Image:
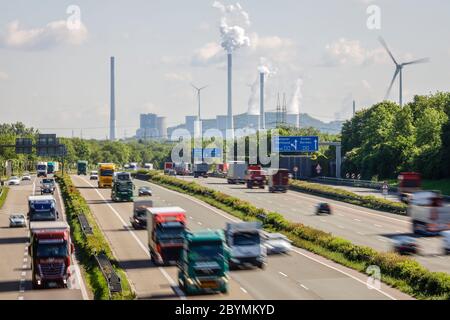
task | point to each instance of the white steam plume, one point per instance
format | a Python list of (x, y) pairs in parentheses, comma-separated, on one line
[(266, 68), (294, 106)]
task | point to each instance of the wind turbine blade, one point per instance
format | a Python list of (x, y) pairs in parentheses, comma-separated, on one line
[(204, 87), (383, 43), (392, 83), (194, 87), (423, 60)]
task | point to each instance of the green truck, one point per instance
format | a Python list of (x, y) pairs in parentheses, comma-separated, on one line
[(203, 266), (82, 166), (122, 188)]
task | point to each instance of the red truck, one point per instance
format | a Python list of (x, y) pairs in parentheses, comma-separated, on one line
[(408, 183), (50, 250), (278, 180), (165, 229), (255, 176), (168, 166)]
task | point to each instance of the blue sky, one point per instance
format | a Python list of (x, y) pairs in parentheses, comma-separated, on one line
[(58, 80)]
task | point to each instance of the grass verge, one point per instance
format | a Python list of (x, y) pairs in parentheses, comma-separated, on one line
[(3, 194), (88, 246)]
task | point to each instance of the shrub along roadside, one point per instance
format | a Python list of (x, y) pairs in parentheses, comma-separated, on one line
[(3, 194), (400, 272), (349, 197), (88, 246)]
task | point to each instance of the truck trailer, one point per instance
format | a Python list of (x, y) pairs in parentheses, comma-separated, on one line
[(41, 169), (201, 170), (429, 214), (278, 180), (236, 172), (82, 166)]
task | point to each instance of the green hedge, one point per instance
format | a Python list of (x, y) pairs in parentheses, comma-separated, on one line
[(371, 202), (399, 271), (88, 246), (3, 194)]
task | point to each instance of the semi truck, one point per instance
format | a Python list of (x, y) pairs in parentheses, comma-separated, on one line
[(278, 180), (122, 188), (182, 168), (41, 169), (254, 176), (52, 167), (201, 170), (168, 166), (42, 208), (408, 183), (165, 229), (139, 218), (429, 214), (50, 250), (106, 174), (203, 266), (245, 242), (236, 172), (82, 166)]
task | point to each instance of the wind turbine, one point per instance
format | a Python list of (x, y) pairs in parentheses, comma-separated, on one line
[(399, 71), (198, 96)]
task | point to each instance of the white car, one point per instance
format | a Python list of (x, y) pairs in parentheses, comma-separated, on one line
[(17, 220), (94, 175), (26, 177), (446, 241), (14, 180), (276, 243)]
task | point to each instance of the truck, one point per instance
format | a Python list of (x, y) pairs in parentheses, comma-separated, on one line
[(255, 176), (182, 168), (139, 218), (165, 230), (246, 244), (122, 188), (41, 169), (82, 166), (203, 266), (50, 250), (148, 166), (168, 166), (236, 172), (42, 208), (201, 170), (48, 185), (428, 212), (408, 183), (278, 180), (106, 174), (52, 167), (133, 166)]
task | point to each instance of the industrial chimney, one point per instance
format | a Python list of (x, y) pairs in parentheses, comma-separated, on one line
[(112, 123), (262, 118), (230, 105)]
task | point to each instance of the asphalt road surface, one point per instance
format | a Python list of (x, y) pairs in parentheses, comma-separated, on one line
[(15, 263), (299, 275)]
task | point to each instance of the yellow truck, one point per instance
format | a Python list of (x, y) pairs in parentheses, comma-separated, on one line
[(106, 174)]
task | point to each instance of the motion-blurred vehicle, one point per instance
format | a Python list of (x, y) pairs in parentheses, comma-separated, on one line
[(255, 176), (203, 266), (323, 207), (278, 180), (133, 166), (408, 183), (172, 172), (236, 172), (48, 185), (145, 191), (276, 243), (82, 166), (182, 168), (148, 166), (14, 181), (94, 175), (168, 166), (405, 245), (446, 241), (139, 218), (17, 220), (26, 176), (428, 212)]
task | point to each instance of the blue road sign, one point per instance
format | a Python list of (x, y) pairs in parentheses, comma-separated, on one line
[(295, 144), (207, 153)]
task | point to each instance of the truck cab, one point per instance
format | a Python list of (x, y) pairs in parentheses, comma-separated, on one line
[(254, 176), (139, 218), (429, 214), (122, 188), (246, 244), (105, 175), (408, 183), (42, 208), (278, 180), (50, 250), (165, 229), (201, 170), (48, 185), (82, 166), (41, 169), (203, 266)]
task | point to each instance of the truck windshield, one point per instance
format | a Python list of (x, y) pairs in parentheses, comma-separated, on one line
[(169, 232), (42, 215), (42, 167), (246, 239), (50, 250), (48, 181), (123, 177), (124, 186), (106, 173), (204, 250)]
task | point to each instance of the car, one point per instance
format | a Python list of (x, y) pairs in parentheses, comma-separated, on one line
[(17, 220), (276, 243), (172, 172), (446, 241), (405, 245), (144, 191), (26, 177), (94, 175), (14, 181), (323, 207), (48, 185)]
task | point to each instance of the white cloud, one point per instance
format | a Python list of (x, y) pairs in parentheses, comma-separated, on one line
[(3, 76), (53, 34), (178, 76), (210, 53), (350, 52)]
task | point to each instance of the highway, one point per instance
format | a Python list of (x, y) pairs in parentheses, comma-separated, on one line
[(15, 263), (300, 275), (360, 225)]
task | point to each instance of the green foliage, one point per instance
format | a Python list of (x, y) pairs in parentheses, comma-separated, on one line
[(3, 195)]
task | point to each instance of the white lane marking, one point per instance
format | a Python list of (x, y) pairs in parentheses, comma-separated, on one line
[(190, 217), (23, 274), (359, 232), (399, 231), (24, 266), (382, 239), (377, 225), (243, 290), (20, 298), (141, 245), (357, 220), (25, 253), (340, 214), (303, 286), (283, 274), (199, 223), (342, 227), (323, 220)]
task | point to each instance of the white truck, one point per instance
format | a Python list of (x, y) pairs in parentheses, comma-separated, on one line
[(41, 169), (429, 214), (236, 172), (148, 166)]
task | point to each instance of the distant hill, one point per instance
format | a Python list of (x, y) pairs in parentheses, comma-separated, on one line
[(325, 127)]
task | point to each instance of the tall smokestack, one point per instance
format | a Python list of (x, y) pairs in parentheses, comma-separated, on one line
[(112, 119), (354, 107), (262, 117), (230, 104)]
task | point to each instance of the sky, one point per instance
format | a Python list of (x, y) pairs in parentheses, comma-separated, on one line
[(54, 67)]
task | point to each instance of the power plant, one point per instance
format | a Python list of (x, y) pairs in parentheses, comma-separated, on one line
[(112, 119), (262, 121), (230, 103)]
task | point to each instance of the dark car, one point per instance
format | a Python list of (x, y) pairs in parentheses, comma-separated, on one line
[(323, 208), (144, 191), (405, 245)]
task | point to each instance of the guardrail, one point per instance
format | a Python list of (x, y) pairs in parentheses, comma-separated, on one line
[(85, 227), (352, 183)]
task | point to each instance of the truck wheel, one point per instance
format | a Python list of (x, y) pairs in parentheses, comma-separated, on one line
[(249, 185), (262, 265)]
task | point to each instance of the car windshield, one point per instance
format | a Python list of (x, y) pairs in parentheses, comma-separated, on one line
[(47, 250), (107, 173), (17, 216), (246, 239), (204, 250), (143, 189)]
